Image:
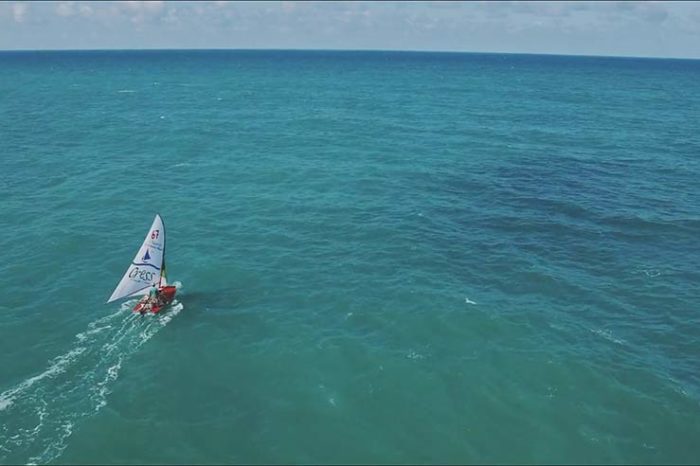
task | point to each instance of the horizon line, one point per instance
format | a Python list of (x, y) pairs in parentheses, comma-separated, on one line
[(464, 52)]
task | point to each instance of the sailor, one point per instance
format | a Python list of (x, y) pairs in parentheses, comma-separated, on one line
[(153, 294)]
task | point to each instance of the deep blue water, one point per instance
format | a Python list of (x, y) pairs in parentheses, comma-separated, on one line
[(383, 257)]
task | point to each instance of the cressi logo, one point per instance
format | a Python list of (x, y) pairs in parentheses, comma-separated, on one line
[(142, 275)]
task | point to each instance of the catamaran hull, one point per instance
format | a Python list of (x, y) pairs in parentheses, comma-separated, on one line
[(167, 294)]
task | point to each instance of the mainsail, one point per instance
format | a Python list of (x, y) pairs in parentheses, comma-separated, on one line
[(148, 265)]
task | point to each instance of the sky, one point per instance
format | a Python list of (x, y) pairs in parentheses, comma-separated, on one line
[(620, 28)]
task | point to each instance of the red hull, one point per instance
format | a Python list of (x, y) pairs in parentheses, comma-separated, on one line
[(167, 294)]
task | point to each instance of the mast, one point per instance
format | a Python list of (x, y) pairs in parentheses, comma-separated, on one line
[(165, 239)]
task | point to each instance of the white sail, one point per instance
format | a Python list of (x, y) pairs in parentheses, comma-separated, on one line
[(147, 267)]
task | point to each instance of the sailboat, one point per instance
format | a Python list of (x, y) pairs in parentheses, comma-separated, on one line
[(146, 270)]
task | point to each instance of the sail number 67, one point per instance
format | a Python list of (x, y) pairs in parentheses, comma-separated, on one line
[(154, 234)]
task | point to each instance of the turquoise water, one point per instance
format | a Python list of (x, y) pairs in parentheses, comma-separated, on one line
[(382, 258)]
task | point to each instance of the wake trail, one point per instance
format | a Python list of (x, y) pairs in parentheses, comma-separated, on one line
[(38, 414)]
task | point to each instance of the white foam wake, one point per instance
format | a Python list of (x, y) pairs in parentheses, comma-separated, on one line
[(38, 415)]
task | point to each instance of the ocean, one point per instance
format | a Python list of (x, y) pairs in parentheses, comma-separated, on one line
[(382, 257)]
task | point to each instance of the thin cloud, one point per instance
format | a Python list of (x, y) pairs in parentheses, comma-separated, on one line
[(598, 28), (19, 12)]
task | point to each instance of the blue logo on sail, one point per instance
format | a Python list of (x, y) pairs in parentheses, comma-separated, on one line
[(144, 261)]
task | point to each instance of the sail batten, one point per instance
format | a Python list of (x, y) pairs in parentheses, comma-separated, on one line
[(147, 266)]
